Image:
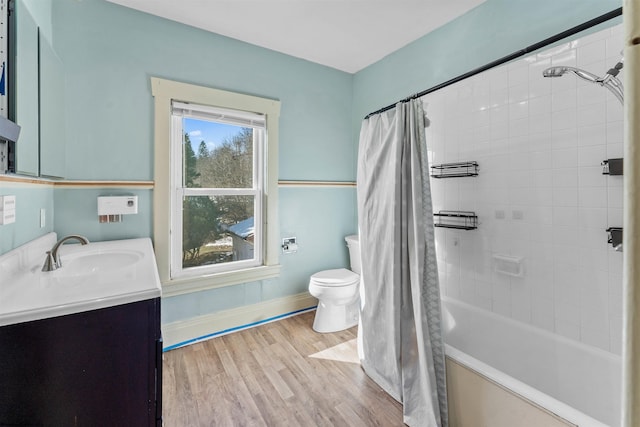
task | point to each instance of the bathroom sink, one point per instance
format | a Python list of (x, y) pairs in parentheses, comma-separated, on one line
[(98, 262), (92, 276)]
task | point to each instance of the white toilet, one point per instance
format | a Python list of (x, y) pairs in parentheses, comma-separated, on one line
[(338, 293)]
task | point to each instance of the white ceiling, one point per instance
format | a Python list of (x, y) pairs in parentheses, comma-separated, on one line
[(344, 34)]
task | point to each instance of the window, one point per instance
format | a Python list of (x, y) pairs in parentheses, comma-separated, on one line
[(217, 186), (215, 197)]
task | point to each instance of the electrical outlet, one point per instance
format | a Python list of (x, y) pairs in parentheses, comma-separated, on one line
[(43, 217)]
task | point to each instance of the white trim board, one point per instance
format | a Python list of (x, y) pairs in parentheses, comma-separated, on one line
[(200, 328)]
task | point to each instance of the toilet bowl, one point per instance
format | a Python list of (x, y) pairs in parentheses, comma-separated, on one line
[(338, 293)]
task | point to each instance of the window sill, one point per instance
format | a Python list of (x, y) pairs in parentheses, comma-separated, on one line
[(187, 285)]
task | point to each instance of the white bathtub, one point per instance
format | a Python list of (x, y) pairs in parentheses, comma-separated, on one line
[(579, 383)]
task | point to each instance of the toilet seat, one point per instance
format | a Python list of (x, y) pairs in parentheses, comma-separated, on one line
[(335, 278)]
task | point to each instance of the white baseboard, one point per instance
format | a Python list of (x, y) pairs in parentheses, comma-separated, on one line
[(184, 332)]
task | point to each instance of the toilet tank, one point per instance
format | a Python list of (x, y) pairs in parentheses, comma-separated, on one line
[(354, 252)]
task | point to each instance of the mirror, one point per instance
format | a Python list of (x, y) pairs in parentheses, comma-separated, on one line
[(52, 117), (38, 93), (26, 91)]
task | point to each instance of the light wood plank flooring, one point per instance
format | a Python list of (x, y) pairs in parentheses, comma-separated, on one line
[(277, 374)]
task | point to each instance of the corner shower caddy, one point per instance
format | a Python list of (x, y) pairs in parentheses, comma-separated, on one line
[(461, 220), (454, 170)]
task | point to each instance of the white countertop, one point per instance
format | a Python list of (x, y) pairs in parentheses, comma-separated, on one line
[(93, 276)]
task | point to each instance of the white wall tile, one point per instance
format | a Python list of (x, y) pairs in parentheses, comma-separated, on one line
[(564, 119), (540, 159), (541, 196), (519, 93), (540, 104), (565, 259), (592, 217), (564, 138), (615, 293), (592, 114), (519, 110), (519, 127), (566, 235), (593, 262), (615, 151), (592, 52), (614, 109), (563, 100), (542, 214), (615, 198), (499, 96), (592, 155), (519, 75), (614, 45), (591, 176), (564, 158), (590, 38), (615, 260), (592, 135), (565, 196), (593, 237), (566, 57), (563, 215), (615, 132), (539, 86), (567, 311), (615, 331), (590, 94), (592, 197), (540, 142)]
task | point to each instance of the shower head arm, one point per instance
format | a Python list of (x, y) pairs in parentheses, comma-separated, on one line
[(615, 87)]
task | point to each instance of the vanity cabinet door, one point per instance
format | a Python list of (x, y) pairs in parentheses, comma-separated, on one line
[(96, 368)]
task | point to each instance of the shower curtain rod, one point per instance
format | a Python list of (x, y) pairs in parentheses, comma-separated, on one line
[(564, 34)]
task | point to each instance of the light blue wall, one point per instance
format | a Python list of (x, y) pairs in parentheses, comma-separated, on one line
[(29, 200), (319, 218), (489, 32), (82, 205), (109, 53)]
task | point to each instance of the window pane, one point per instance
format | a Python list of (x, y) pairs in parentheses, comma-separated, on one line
[(217, 229), (217, 155)]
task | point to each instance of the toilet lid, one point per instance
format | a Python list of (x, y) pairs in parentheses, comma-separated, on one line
[(337, 277)]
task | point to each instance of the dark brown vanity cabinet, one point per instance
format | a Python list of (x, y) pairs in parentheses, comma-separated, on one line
[(96, 368)]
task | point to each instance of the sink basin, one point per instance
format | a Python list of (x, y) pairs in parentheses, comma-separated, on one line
[(105, 262), (92, 276)]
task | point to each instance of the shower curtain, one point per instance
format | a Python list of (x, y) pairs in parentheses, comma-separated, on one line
[(400, 339)]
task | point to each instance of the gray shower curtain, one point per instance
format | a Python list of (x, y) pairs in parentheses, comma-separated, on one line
[(400, 338)]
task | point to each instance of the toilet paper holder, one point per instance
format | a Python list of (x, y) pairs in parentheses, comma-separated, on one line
[(289, 245)]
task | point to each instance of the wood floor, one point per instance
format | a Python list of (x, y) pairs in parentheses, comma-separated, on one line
[(277, 374)]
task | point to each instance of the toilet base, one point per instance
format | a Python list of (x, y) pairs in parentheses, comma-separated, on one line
[(334, 318)]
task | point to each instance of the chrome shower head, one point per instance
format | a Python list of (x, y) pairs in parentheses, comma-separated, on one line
[(555, 72), (560, 71), (609, 81)]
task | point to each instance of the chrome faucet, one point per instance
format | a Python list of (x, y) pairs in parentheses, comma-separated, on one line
[(52, 262)]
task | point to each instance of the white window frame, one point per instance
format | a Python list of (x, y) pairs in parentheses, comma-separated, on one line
[(181, 110), (165, 221)]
